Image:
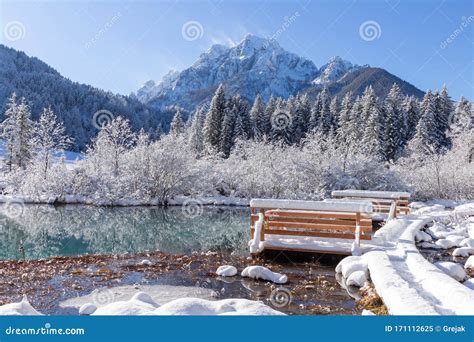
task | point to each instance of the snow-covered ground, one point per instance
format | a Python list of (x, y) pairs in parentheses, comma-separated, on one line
[(407, 282)]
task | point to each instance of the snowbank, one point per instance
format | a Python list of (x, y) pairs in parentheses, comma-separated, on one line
[(452, 269), (22, 308), (410, 285), (201, 307), (263, 273), (469, 262)]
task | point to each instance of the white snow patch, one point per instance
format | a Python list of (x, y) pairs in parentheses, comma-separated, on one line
[(445, 244), (263, 273), (469, 262), (226, 271), (22, 308), (467, 242), (332, 205), (463, 252), (139, 304), (195, 307), (452, 269), (357, 278)]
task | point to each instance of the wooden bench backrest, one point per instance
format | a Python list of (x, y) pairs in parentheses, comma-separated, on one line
[(381, 200), (315, 223)]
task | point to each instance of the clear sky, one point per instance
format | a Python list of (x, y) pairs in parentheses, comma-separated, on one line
[(118, 45)]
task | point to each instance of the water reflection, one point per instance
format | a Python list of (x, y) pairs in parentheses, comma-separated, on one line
[(44, 231)]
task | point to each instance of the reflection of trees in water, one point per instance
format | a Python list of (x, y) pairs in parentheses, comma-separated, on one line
[(67, 230)]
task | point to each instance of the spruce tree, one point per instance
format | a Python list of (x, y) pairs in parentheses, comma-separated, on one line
[(257, 114), (426, 139), (214, 118), (177, 125), (394, 125), (196, 135), (443, 114)]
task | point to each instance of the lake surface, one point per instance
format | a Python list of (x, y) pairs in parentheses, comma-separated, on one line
[(41, 231)]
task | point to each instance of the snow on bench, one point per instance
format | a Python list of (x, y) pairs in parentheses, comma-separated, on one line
[(310, 226), (390, 202)]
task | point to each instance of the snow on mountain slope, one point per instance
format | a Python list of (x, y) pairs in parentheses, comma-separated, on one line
[(255, 65), (334, 70)]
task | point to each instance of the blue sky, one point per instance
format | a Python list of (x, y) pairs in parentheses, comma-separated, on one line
[(118, 45)]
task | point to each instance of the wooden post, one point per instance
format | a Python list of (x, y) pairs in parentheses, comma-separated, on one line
[(357, 232), (262, 232)]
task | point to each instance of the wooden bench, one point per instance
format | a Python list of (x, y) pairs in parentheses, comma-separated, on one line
[(326, 222), (387, 202)]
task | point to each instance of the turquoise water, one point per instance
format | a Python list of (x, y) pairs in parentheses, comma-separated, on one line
[(40, 231)]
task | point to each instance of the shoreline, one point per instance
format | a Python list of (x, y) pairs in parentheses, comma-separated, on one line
[(48, 282)]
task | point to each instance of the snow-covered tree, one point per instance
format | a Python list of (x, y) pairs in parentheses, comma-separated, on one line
[(17, 131), (49, 137), (371, 126), (394, 125), (214, 118), (257, 114), (443, 114), (196, 135), (177, 125), (426, 138), (411, 108)]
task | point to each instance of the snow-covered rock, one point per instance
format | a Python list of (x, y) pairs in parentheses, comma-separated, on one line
[(421, 236), (463, 252), (226, 271), (445, 244), (145, 262), (469, 262), (195, 306), (456, 239), (429, 245), (87, 309), (357, 278), (22, 308), (465, 209), (467, 242), (263, 273), (139, 304), (452, 269), (346, 260), (358, 265), (429, 209)]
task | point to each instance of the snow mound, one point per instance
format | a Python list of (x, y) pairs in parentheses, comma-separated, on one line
[(463, 252), (429, 245), (445, 244), (357, 278), (346, 260), (140, 303), (201, 307), (467, 208), (22, 308), (367, 313), (470, 262), (226, 271), (467, 242), (455, 239), (452, 269), (354, 266), (263, 273), (87, 309), (145, 262), (429, 209), (421, 236)]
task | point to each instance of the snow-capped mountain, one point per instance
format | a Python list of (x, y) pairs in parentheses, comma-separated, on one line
[(335, 69), (255, 65)]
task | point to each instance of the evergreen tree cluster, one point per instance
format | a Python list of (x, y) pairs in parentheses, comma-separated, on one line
[(383, 128)]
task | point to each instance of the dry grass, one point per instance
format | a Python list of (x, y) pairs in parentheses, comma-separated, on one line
[(371, 301)]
